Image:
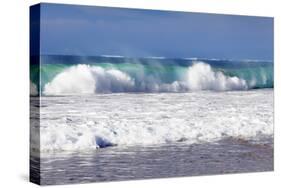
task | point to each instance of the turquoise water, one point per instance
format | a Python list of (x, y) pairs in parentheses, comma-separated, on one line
[(120, 74)]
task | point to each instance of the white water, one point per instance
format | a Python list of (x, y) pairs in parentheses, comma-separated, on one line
[(200, 76), (77, 123), (86, 79)]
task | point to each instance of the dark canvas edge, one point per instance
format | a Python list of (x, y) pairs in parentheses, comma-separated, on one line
[(34, 64)]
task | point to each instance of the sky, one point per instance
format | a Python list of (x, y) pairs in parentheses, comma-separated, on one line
[(95, 31)]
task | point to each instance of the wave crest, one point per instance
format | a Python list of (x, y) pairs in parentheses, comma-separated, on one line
[(200, 76), (86, 79)]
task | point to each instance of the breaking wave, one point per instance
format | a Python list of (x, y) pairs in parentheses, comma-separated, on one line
[(85, 79), (200, 76), (98, 78)]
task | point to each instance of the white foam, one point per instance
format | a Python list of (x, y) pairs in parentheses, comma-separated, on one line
[(76, 123), (156, 57), (86, 79), (113, 56), (200, 76)]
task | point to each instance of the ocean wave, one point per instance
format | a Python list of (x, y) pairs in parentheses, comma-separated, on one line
[(90, 79), (200, 76), (85, 79)]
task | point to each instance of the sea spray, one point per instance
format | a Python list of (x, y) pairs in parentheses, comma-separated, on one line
[(62, 75)]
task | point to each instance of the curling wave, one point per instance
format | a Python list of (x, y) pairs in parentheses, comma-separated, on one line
[(90, 79)]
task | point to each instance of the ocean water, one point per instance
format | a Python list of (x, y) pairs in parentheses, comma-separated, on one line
[(61, 75), (133, 136), (104, 119), (162, 161)]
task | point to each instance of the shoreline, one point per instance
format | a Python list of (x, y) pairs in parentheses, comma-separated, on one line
[(117, 164)]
